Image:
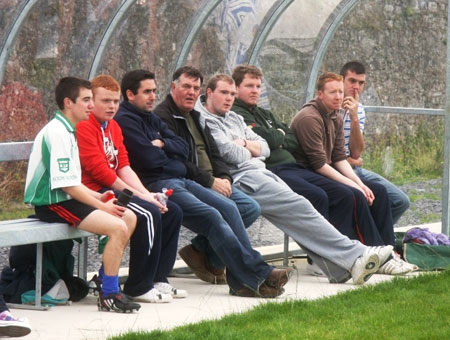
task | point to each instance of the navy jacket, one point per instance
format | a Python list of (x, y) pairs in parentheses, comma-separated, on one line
[(169, 113), (150, 162)]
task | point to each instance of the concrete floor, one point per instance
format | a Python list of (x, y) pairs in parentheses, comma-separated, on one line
[(82, 320)]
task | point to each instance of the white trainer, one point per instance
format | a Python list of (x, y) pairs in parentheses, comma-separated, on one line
[(153, 296), (314, 269), (10, 326), (396, 266), (368, 264), (167, 288)]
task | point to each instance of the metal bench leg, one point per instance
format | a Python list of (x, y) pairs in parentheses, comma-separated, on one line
[(38, 275), (82, 258), (286, 250), (38, 287)]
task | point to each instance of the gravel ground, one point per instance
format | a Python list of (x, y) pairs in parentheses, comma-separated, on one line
[(425, 206)]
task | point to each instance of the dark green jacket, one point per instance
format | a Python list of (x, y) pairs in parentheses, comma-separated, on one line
[(265, 124)]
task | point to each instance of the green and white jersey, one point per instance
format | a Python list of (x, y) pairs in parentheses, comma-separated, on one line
[(54, 163)]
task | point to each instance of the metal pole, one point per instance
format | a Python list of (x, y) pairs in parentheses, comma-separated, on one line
[(445, 177), (11, 36), (194, 29), (321, 50), (265, 27), (104, 42)]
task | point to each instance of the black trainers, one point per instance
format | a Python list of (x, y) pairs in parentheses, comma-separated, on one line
[(95, 285), (117, 302)]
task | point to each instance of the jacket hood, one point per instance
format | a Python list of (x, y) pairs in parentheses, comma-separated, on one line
[(200, 107), (133, 109), (318, 105)]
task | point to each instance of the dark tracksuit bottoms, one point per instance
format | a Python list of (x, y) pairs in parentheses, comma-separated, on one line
[(344, 207), (153, 245)]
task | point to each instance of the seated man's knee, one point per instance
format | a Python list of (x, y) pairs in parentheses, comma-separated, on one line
[(250, 212), (212, 218), (321, 199), (406, 203), (175, 210), (120, 231), (130, 219), (377, 188)]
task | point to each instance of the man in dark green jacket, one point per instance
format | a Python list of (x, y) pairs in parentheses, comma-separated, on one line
[(334, 203)]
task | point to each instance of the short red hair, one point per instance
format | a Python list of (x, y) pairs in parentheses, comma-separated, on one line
[(327, 77), (105, 81)]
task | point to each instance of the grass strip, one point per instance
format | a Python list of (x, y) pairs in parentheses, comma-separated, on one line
[(404, 308)]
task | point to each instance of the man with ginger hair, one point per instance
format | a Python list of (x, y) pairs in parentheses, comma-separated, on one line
[(319, 131), (105, 165)]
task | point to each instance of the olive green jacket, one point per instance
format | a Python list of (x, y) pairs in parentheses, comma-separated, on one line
[(268, 126)]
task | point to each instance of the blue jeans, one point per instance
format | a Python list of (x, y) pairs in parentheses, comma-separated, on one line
[(216, 217), (399, 200), (249, 210)]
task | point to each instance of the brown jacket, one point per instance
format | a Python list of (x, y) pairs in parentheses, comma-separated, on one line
[(320, 135)]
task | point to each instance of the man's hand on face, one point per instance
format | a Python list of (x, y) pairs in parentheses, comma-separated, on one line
[(158, 143), (222, 186), (351, 104)]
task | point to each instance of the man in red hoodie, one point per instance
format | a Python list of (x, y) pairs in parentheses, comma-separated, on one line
[(105, 165)]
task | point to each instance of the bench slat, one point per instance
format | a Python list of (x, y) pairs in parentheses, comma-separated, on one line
[(15, 151), (28, 231)]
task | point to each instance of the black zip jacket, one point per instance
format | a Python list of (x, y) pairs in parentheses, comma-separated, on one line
[(150, 162)]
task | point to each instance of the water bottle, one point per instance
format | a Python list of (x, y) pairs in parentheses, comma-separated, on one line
[(164, 195)]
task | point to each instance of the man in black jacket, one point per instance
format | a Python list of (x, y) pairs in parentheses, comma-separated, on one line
[(204, 164), (158, 156)]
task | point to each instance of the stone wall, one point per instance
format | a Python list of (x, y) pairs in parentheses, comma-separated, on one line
[(403, 45), (402, 42)]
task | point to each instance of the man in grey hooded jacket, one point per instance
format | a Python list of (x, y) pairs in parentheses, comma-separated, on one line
[(244, 151)]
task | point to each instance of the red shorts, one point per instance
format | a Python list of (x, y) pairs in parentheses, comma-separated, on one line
[(71, 211)]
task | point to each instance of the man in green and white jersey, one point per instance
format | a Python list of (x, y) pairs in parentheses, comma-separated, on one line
[(54, 187)]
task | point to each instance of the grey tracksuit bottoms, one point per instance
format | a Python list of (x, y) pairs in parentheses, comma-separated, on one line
[(333, 252)]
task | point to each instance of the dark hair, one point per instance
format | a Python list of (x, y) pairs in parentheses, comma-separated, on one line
[(327, 77), (188, 71), (354, 66), (240, 71), (132, 81), (69, 87), (212, 82)]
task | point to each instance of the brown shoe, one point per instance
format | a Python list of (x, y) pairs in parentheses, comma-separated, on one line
[(264, 291), (198, 263), (278, 277), (219, 274)]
